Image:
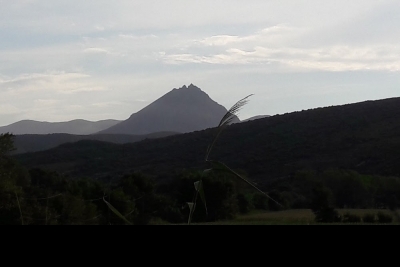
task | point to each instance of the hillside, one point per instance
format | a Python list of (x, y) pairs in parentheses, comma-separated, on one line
[(78, 127), (183, 110), (364, 137), (35, 142), (256, 118)]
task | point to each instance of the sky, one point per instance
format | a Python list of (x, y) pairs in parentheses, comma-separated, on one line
[(95, 59)]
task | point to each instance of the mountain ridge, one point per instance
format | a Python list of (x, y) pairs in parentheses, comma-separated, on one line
[(76, 126), (183, 110), (29, 143), (255, 118)]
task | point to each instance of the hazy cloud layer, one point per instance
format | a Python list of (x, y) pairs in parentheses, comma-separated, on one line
[(94, 60)]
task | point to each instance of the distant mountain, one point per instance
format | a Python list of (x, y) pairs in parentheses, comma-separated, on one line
[(39, 142), (183, 110), (79, 127)]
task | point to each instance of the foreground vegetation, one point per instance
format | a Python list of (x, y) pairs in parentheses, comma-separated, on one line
[(307, 217), (40, 197)]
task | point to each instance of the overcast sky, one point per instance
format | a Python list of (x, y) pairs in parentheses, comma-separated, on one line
[(96, 59)]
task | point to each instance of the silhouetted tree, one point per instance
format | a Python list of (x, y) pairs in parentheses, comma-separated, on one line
[(322, 205)]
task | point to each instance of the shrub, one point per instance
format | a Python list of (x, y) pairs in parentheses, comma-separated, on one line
[(260, 201), (327, 215), (369, 218), (321, 205), (244, 203), (351, 218), (384, 217)]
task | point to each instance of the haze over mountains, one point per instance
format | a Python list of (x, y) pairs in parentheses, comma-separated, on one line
[(182, 110), (38, 142), (69, 127)]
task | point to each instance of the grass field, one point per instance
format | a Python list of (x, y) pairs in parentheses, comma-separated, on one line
[(301, 217)]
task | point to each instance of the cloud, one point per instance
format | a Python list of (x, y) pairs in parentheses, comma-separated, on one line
[(9, 109), (99, 58), (138, 37), (46, 102), (220, 40), (276, 45), (60, 76), (96, 50), (82, 17), (270, 35), (107, 104), (54, 82)]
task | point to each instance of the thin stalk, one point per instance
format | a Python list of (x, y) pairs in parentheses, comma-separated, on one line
[(19, 207), (47, 206), (194, 206)]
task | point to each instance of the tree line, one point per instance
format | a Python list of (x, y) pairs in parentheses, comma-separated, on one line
[(36, 196)]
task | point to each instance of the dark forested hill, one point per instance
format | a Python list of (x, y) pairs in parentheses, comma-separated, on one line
[(39, 142), (364, 137)]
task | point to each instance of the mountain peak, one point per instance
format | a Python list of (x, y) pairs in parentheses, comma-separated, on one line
[(186, 94), (186, 109), (190, 87)]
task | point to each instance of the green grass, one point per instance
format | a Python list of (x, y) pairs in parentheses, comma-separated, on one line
[(287, 217), (297, 217)]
